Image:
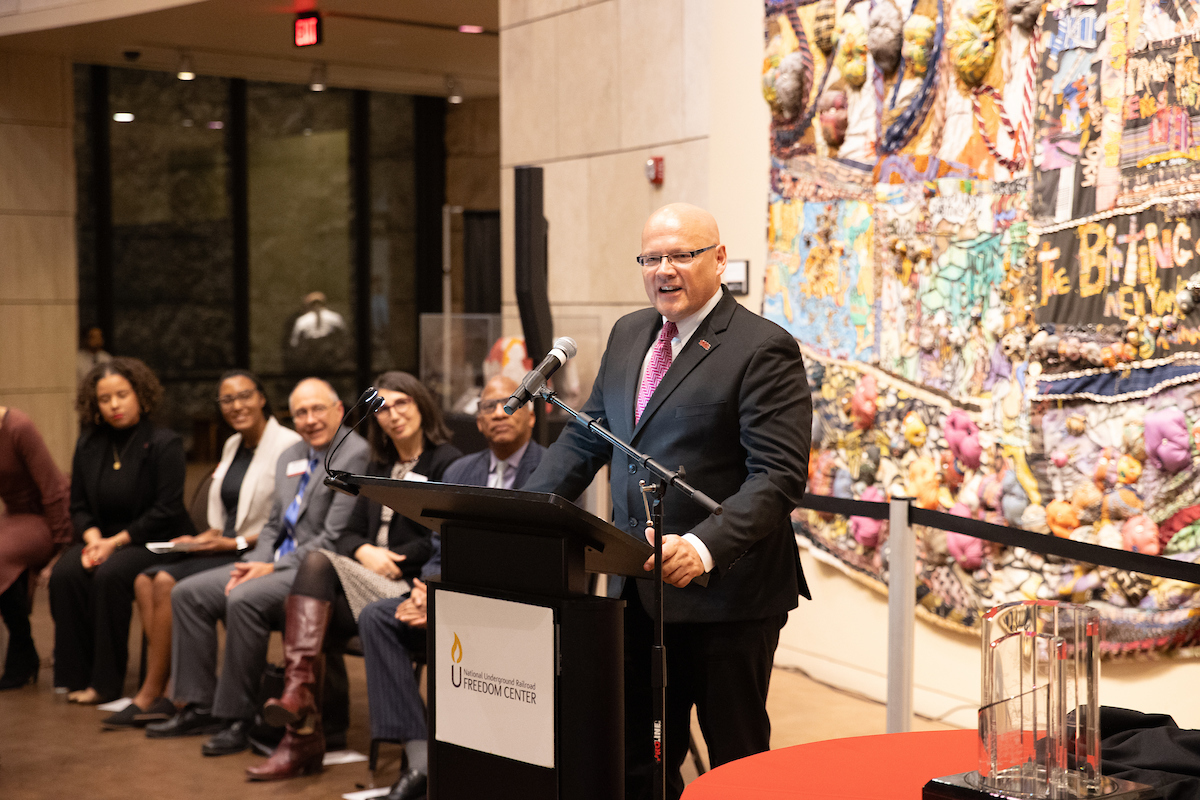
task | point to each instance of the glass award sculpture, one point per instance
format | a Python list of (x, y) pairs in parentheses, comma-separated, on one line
[(1039, 714)]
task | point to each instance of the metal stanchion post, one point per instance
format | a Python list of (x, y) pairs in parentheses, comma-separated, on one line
[(902, 600)]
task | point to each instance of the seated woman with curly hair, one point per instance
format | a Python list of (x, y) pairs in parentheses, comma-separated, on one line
[(126, 490), (239, 503)]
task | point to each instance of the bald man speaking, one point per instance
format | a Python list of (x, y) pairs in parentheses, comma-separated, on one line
[(701, 382)]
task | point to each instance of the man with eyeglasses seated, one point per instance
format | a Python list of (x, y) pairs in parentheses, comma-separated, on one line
[(391, 629), (699, 381), (249, 597)]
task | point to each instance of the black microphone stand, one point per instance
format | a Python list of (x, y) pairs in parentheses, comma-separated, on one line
[(654, 515)]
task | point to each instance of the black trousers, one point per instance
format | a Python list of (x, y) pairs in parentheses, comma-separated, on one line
[(721, 668), (92, 610)]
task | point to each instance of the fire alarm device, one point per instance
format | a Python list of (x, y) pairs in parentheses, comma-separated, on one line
[(654, 170)]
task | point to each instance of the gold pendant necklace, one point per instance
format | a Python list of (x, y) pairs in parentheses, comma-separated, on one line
[(117, 456)]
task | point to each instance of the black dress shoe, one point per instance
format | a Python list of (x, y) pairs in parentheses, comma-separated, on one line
[(410, 785), (188, 722), (233, 738)]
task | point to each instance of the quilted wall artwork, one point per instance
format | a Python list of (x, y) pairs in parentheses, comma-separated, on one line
[(984, 229)]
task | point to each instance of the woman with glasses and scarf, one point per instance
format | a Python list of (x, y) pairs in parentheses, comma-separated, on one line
[(378, 555)]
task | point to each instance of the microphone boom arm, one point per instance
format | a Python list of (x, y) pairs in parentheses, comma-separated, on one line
[(669, 476)]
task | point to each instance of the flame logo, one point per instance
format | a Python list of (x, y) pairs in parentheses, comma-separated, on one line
[(456, 650)]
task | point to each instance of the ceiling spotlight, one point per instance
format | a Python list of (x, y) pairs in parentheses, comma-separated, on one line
[(316, 81), (453, 95), (185, 73), (470, 29), (122, 116)]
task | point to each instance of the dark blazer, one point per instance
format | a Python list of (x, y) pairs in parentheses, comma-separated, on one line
[(735, 410), (157, 455), (472, 470), (405, 537)]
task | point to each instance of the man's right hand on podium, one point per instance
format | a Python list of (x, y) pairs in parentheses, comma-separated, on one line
[(681, 562)]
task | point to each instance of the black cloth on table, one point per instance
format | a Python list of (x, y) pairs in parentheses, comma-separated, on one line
[(1150, 749)]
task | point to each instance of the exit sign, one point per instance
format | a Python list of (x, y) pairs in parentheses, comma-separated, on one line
[(308, 28)]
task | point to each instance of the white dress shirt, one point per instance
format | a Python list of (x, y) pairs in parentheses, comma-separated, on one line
[(686, 328), (509, 476)]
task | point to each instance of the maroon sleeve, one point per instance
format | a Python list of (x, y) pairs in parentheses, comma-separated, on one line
[(46, 474)]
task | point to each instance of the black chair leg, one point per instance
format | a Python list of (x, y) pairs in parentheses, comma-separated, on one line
[(373, 755)]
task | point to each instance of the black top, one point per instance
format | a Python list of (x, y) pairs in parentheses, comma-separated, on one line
[(118, 487), (153, 464), (405, 537), (231, 487)]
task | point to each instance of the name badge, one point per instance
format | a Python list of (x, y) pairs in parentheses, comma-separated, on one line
[(297, 467), (416, 476)]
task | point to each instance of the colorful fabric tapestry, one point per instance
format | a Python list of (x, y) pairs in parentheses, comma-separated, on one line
[(983, 226)]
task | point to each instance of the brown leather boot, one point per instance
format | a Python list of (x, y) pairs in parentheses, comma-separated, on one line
[(297, 754), (303, 639)]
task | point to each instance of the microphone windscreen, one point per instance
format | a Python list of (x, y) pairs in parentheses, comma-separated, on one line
[(567, 345)]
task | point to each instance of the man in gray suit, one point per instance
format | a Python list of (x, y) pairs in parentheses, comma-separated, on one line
[(307, 515)]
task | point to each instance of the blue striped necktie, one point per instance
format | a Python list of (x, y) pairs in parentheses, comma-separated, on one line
[(288, 542)]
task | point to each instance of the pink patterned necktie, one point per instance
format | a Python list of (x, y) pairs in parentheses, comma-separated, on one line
[(660, 362)]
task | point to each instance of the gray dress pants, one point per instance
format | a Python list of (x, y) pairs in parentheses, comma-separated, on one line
[(250, 612)]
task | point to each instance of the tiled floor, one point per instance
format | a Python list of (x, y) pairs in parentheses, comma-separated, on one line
[(52, 750)]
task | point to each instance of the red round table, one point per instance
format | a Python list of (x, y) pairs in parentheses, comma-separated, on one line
[(892, 766)]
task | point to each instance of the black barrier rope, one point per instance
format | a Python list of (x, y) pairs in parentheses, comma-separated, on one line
[(1047, 544)]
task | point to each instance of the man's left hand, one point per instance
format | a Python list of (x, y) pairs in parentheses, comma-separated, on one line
[(681, 562)]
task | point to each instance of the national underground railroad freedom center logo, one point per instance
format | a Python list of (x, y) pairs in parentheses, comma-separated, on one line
[(484, 682)]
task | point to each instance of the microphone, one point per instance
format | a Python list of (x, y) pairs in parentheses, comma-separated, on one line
[(564, 349), (371, 399)]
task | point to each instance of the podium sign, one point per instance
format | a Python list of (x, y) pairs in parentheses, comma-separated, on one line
[(496, 690), (527, 704)]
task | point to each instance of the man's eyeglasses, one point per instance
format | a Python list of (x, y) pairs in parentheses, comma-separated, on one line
[(312, 411), (679, 259), (227, 400), (488, 407), (400, 404)]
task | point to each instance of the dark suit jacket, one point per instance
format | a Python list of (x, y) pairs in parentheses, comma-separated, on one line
[(157, 455), (405, 537), (737, 414), (472, 470)]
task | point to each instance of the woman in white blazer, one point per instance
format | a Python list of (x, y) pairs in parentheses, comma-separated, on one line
[(239, 503)]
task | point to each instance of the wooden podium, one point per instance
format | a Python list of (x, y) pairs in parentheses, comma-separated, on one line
[(525, 668)]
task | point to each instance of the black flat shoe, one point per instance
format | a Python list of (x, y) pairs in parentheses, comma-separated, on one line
[(188, 722), (233, 738), (134, 717), (410, 785), (125, 718)]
